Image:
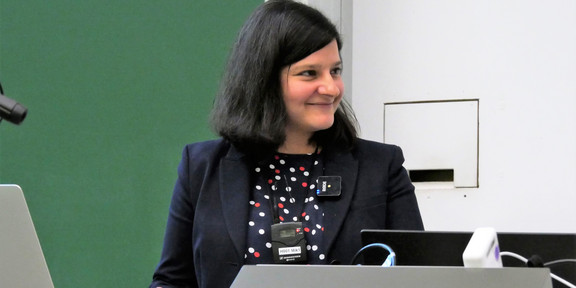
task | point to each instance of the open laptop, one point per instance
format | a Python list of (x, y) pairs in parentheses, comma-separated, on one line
[(436, 248), (22, 263)]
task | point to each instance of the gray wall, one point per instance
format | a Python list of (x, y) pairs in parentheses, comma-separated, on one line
[(518, 60)]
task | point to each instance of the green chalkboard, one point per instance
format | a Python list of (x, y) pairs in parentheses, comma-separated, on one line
[(114, 89)]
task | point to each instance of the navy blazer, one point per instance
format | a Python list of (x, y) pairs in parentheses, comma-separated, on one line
[(205, 240)]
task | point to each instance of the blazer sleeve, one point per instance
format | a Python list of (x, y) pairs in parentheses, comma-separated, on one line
[(176, 267), (403, 212)]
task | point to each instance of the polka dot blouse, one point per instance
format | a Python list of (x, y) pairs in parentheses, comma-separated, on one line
[(291, 180)]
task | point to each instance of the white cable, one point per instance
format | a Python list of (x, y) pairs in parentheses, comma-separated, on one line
[(519, 257), (562, 281), (559, 261)]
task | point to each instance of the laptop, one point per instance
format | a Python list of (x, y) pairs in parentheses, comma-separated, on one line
[(440, 248), (22, 263)]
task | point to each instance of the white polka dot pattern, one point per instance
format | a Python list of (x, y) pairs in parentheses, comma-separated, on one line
[(285, 181)]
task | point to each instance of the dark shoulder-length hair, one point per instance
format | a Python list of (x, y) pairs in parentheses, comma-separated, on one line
[(249, 110)]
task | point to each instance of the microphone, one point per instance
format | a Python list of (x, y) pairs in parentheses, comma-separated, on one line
[(11, 110)]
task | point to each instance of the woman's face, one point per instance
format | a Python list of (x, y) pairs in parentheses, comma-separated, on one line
[(312, 89)]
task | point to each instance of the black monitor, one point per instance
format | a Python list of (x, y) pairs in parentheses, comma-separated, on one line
[(436, 248)]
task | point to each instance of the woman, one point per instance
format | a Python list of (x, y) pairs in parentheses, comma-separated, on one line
[(289, 165)]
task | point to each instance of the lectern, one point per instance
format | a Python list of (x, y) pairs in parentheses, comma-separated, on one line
[(340, 276)]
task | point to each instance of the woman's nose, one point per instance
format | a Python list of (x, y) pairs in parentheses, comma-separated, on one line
[(329, 86)]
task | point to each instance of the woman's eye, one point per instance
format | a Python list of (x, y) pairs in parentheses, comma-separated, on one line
[(308, 73), (337, 71)]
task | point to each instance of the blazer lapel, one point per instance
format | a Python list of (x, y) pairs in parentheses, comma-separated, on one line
[(335, 210), (235, 194)]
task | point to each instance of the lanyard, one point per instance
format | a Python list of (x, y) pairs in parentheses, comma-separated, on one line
[(275, 187)]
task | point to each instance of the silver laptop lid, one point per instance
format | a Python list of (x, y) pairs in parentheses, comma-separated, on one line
[(22, 263)]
